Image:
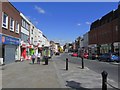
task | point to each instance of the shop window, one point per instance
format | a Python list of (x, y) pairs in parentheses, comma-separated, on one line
[(5, 20)]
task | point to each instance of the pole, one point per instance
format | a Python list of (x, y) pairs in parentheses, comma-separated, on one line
[(66, 63), (119, 49), (82, 63), (104, 80)]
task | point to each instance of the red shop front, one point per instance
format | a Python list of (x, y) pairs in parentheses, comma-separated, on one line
[(24, 51)]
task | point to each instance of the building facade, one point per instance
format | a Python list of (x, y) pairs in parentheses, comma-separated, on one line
[(0, 29), (25, 30), (104, 33), (85, 42), (11, 23)]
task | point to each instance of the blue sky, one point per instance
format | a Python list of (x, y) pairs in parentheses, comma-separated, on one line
[(64, 21)]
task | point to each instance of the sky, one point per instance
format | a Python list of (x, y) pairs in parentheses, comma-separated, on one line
[(64, 21)]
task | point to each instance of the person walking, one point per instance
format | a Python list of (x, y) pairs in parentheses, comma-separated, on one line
[(33, 58), (38, 58)]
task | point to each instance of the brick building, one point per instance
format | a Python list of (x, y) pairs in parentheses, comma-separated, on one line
[(0, 29), (104, 33), (11, 23)]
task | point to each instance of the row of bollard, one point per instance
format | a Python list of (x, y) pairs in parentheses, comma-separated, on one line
[(104, 74), (67, 63)]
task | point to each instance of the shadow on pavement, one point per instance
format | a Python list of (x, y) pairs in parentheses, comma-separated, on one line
[(75, 85)]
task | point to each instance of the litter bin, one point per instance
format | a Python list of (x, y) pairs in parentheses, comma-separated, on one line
[(46, 60)]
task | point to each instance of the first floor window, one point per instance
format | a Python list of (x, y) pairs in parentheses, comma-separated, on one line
[(17, 27), (5, 20), (11, 24), (31, 40)]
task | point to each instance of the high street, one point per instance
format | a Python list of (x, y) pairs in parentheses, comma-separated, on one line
[(95, 65), (54, 75)]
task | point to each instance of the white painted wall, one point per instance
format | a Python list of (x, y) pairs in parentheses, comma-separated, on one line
[(23, 30), (85, 40), (23, 16)]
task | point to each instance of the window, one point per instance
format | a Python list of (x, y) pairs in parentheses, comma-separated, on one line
[(25, 24), (11, 24), (5, 21), (22, 22), (32, 31), (31, 40), (17, 27), (116, 28), (24, 37)]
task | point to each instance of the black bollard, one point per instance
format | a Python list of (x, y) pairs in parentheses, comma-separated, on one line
[(66, 63), (104, 80), (82, 63)]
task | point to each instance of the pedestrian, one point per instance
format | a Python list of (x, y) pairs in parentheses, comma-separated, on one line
[(38, 58), (33, 58)]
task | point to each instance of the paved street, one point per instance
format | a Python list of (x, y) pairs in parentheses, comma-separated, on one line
[(112, 68), (26, 75), (86, 78)]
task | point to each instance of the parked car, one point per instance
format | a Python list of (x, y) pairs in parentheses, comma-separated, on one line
[(74, 55), (85, 55), (93, 56), (115, 57), (109, 57)]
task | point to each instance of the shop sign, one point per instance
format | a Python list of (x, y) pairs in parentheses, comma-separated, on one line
[(116, 44), (10, 40)]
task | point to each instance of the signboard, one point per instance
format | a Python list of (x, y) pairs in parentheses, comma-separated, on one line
[(10, 40)]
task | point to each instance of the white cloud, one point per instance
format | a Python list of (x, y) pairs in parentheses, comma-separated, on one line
[(78, 24), (39, 9), (35, 22), (88, 23)]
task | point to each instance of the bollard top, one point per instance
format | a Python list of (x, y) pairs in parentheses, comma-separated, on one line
[(66, 58), (104, 73)]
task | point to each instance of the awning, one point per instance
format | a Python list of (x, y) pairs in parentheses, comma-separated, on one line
[(24, 46)]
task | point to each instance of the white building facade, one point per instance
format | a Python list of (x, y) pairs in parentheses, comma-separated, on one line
[(25, 30)]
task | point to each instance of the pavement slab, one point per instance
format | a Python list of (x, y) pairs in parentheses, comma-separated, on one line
[(26, 75)]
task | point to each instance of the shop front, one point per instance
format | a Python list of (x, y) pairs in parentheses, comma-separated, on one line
[(31, 49), (117, 47), (105, 48), (25, 50), (10, 47), (92, 49)]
